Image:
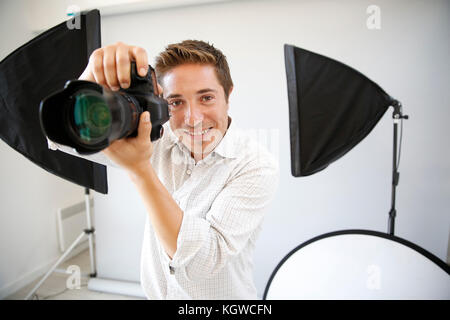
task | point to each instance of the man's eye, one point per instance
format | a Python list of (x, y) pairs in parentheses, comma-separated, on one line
[(176, 103), (207, 98)]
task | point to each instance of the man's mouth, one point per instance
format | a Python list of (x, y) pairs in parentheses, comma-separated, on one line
[(197, 133)]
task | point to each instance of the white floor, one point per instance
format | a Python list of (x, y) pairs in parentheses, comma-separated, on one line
[(55, 288)]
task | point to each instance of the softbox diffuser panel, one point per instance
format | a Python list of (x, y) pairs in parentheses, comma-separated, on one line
[(332, 107), (32, 72)]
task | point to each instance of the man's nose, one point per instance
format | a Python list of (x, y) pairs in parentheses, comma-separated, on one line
[(193, 115)]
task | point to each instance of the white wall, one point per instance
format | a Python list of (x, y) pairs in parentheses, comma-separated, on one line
[(408, 57), (29, 196)]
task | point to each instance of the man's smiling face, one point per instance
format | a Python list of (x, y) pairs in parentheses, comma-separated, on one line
[(198, 106)]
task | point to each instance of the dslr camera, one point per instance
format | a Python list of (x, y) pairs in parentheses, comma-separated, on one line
[(89, 117)]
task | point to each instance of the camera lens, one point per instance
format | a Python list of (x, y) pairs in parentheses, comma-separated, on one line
[(91, 117)]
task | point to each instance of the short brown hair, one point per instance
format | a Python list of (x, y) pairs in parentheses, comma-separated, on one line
[(194, 51)]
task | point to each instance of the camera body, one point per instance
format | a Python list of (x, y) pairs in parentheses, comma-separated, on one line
[(144, 91), (89, 117)]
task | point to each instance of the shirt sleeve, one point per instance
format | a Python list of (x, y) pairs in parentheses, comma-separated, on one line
[(205, 245)]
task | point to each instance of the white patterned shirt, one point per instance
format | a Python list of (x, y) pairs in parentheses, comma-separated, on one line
[(223, 198)]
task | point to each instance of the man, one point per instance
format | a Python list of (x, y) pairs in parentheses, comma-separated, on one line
[(205, 185)]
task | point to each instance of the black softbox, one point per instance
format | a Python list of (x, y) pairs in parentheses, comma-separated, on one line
[(332, 107), (32, 72)]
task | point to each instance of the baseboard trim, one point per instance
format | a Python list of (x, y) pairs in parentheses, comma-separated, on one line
[(126, 288)]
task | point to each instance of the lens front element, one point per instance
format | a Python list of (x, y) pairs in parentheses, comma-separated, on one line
[(91, 117)]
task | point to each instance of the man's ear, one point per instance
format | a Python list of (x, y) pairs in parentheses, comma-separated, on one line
[(229, 92), (160, 90)]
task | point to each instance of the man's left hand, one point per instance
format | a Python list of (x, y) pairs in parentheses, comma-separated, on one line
[(133, 154)]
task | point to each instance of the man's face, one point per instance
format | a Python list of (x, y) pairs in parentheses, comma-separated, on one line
[(198, 106)]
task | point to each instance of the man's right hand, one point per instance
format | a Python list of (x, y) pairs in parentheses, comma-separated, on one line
[(110, 65)]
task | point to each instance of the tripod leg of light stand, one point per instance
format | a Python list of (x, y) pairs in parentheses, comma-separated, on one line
[(90, 232), (61, 259)]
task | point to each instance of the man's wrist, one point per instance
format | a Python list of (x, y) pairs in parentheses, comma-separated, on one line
[(141, 173)]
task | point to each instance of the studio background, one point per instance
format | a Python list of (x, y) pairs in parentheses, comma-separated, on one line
[(408, 57)]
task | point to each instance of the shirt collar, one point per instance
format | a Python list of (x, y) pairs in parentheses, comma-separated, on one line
[(226, 147)]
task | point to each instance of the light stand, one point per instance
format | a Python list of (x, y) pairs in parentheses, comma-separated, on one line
[(332, 107), (397, 116), (89, 232)]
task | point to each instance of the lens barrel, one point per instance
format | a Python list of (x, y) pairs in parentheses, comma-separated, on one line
[(94, 118)]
